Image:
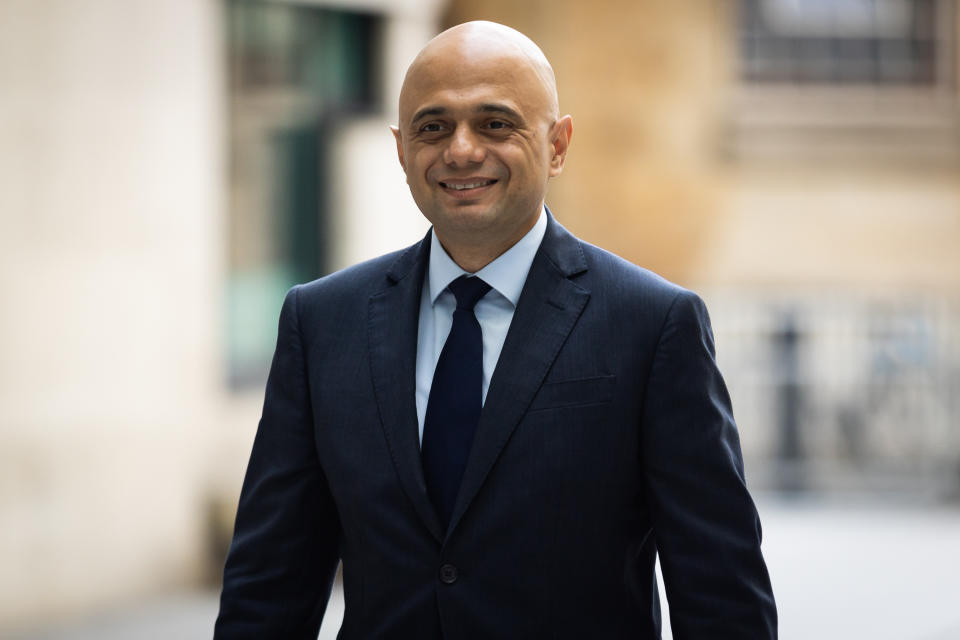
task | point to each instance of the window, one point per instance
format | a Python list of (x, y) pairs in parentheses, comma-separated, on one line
[(295, 73), (841, 41), (854, 82)]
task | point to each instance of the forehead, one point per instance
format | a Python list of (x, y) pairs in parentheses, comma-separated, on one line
[(459, 80)]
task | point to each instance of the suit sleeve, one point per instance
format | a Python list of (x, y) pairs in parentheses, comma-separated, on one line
[(283, 557), (706, 526)]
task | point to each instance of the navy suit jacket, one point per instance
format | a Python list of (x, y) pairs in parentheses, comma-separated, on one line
[(607, 436)]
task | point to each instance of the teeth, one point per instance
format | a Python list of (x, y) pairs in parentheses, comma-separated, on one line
[(469, 185)]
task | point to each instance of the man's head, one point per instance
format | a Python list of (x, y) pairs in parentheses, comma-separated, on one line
[(479, 135)]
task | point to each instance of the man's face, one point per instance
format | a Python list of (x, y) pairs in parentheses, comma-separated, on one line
[(478, 142)]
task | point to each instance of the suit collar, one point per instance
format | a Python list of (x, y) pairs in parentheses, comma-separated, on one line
[(413, 259), (548, 308), (393, 316), (562, 248)]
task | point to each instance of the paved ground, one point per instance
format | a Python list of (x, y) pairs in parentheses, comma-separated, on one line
[(854, 570), (841, 570)]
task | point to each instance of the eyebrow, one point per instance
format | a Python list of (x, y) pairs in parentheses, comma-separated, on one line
[(490, 107), (428, 111), (499, 108)]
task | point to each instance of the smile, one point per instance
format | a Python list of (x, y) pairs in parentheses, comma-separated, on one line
[(463, 186)]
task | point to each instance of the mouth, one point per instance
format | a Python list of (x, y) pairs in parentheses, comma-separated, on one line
[(466, 187)]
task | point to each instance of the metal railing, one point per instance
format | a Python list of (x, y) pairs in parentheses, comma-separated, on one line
[(851, 391)]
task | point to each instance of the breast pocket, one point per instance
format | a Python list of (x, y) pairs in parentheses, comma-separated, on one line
[(595, 390)]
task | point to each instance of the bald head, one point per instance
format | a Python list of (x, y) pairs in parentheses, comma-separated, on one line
[(458, 53), (479, 137)]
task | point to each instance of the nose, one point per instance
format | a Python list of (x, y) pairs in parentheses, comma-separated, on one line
[(464, 148)]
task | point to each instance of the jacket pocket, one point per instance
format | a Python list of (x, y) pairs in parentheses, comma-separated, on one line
[(574, 393)]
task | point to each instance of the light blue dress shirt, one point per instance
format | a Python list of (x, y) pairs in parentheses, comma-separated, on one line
[(506, 276)]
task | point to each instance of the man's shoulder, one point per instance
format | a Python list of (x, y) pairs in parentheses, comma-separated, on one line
[(361, 280), (619, 276), (626, 290)]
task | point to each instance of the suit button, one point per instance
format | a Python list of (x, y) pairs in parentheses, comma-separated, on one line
[(448, 574)]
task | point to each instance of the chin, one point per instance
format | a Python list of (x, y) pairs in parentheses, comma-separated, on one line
[(465, 213), (463, 224)]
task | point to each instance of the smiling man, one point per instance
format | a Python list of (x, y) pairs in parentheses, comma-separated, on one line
[(498, 429), (479, 136)]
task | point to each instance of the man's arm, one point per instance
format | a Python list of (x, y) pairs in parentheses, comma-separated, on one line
[(284, 553), (706, 526)]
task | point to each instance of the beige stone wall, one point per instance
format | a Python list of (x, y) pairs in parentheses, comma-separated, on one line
[(862, 229)]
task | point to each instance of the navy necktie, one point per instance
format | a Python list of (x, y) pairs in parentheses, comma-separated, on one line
[(456, 397)]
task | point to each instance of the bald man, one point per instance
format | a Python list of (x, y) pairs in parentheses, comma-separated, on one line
[(498, 429)]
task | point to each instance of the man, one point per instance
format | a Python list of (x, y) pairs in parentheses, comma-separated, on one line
[(605, 433)]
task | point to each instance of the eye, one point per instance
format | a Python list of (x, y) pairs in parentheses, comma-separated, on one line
[(497, 124), (431, 127)]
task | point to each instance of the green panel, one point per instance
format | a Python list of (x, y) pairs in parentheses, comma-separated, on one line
[(296, 73)]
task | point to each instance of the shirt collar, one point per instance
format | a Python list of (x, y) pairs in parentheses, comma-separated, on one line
[(507, 274)]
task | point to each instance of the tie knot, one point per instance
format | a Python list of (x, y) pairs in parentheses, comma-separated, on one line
[(468, 290)]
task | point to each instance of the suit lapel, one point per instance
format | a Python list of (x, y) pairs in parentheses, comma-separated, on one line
[(393, 321), (546, 312)]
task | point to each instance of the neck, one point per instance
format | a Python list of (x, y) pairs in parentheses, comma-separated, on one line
[(472, 252), (472, 259)]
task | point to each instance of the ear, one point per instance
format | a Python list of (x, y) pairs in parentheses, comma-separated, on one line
[(396, 135), (560, 137)]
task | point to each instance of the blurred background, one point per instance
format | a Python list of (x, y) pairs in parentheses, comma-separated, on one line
[(169, 169)]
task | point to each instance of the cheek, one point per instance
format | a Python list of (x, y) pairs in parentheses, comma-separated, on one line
[(532, 159), (424, 164), (533, 167)]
